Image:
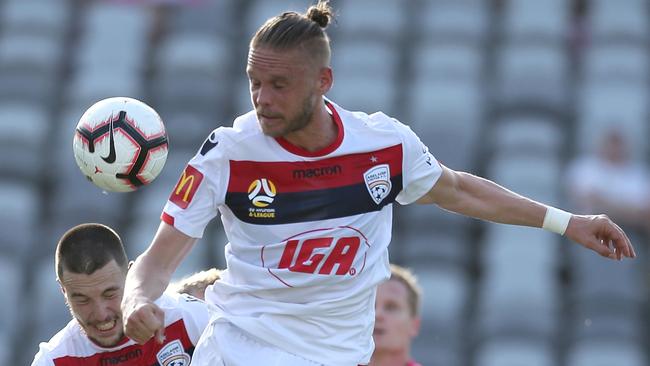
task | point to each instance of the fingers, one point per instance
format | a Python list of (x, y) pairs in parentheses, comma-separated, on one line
[(144, 323), (159, 335), (620, 242), (602, 235), (599, 247)]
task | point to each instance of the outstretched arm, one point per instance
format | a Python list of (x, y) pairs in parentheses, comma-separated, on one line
[(147, 280), (477, 197)]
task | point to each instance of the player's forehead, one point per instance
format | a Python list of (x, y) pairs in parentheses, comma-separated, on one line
[(393, 290), (269, 62), (111, 276)]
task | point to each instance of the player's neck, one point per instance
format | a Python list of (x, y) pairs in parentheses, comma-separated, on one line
[(320, 133), (389, 358)]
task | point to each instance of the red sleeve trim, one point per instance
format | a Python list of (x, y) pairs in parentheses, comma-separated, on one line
[(167, 218)]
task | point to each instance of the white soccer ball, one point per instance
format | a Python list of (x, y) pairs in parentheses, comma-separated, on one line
[(120, 144)]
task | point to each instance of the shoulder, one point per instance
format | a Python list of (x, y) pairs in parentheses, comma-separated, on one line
[(223, 139), (61, 344), (584, 165), (378, 122), (180, 303), (184, 314)]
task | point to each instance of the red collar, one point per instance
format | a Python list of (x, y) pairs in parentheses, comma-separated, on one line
[(297, 150)]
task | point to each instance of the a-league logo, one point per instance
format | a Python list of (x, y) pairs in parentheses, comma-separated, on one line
[(261, 192)]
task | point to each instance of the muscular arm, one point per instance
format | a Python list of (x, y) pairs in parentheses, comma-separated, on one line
[(147, 280), (477, 197)]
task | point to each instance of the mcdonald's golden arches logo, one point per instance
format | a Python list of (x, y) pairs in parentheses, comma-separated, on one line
[(186, 187)]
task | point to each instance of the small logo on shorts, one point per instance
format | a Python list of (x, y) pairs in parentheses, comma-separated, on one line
[(378, 182), (173, 354)]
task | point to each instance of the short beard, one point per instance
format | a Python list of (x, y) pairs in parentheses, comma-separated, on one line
[(83, 326), (300, 121), (303, 118)]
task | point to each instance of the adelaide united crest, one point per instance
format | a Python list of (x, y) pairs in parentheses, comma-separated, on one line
[(378, 182)]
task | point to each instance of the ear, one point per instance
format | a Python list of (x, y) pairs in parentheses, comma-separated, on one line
[(325, 80)]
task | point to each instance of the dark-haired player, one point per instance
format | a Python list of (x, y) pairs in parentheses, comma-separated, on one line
[(91, 268)]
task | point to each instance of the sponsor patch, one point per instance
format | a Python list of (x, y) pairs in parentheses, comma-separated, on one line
[(186, 187)]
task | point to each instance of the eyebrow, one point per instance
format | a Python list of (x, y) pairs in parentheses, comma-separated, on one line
[(274, 78), (76, 294), (282, 79), (114, 288)]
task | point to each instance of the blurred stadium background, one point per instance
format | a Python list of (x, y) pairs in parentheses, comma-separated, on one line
[(509, 89)]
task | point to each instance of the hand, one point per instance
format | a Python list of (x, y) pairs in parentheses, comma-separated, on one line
[(142, 320), (600, 234)]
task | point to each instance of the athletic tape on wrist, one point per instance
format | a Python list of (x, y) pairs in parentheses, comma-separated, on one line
[(556, 220)]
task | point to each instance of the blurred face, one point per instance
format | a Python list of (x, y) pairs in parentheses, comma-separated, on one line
[(394, 324), (613, 147), (284, 87), (94, 301)]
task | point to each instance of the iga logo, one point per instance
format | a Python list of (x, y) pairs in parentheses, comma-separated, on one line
[(261, 192), (341, 253), (378, 182), (335, 251)]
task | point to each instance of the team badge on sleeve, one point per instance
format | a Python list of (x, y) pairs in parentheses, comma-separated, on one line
[(378, 182), (186, 187)]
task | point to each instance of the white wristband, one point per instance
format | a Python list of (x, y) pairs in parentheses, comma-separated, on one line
[(556, 220)]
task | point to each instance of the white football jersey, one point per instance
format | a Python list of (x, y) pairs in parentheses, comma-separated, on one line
[(308, 231), (185, 319)]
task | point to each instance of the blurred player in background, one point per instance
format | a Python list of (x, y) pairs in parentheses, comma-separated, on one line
[(397, 318), (196, 284), (612, 181), (305, 191), (91, 268)]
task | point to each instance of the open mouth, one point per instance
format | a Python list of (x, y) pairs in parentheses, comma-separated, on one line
[(105, 327)]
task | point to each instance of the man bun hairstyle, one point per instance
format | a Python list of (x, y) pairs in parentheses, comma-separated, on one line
[(88, 247), (320, 13), (291, 30)]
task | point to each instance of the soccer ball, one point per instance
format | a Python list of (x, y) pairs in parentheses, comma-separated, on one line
[(120, 144)]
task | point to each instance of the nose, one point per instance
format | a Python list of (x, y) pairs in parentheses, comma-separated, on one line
[(262, 97), (102, 311)]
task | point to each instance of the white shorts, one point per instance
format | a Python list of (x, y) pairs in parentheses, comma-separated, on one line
[(224, 344)]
